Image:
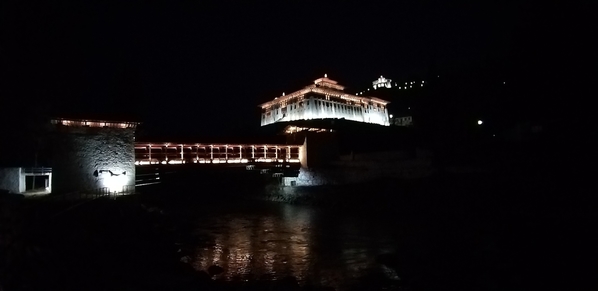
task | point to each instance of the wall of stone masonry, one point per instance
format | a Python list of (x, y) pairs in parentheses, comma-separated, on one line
[(81, 153), (12, 180)]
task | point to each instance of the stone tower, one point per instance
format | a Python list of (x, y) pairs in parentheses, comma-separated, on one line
[(89, 155)]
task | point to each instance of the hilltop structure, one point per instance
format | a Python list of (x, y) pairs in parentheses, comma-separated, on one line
[(404, 97), (382, 82), (324, 99)]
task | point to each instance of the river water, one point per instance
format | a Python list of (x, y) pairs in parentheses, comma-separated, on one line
[(437, 234), (319, 246)]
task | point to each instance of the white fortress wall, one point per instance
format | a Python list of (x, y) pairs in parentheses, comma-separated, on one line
[(320, 109)]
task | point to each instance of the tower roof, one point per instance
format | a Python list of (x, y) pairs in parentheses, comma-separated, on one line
[(325, 82), (324, 86), (93, 123)]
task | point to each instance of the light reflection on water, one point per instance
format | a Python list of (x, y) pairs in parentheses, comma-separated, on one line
[(281, 240)]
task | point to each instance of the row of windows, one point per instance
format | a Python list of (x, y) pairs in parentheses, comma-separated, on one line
[(284, 103), (370, 105), (299, 102), (333, 99), (321, 103), (337, 106)]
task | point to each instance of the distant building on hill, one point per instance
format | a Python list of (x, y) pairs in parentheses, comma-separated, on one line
[(403, 97)]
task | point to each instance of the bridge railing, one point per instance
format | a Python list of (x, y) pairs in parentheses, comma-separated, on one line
[(107, 192), (128, 189), (172, 153), (216, 161), (37, 170), (91, 194), (55, 205)]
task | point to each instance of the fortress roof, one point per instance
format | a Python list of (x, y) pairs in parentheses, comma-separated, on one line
[(324, 86)]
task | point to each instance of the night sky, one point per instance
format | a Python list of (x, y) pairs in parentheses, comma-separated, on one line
[(196, 68)]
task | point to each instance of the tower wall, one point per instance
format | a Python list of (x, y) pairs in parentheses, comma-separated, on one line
[(318, 149), (89, 158), (12, 180), (320, 109)]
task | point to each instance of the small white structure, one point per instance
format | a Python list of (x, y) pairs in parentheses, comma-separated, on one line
[(324, 99), (402, 121), (382, 82), (15, 180)]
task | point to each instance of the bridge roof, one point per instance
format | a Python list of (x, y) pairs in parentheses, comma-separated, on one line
[(238, 140), (94, 123)]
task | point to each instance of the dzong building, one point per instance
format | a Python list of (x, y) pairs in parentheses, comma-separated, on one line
[(324, 99)]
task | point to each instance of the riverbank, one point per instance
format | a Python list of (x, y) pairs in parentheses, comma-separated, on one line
[(96, 246), (381, 192), (122, 244), (509, 228)]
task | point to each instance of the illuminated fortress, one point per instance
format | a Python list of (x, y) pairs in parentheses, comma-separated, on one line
[(324, 99)]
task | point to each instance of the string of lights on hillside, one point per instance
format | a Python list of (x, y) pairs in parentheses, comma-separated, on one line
[(387, 83)]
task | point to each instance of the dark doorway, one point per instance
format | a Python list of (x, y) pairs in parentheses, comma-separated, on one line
[(37, 183)]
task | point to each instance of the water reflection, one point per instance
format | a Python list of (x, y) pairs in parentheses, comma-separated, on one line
[(282, 240)]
